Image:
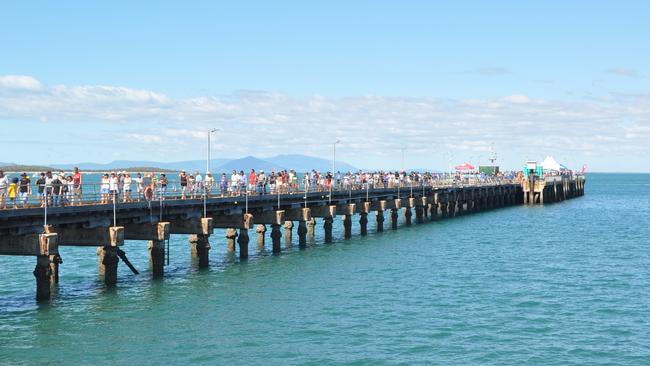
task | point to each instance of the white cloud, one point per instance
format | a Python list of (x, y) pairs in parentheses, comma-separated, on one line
[(271, 123), (19, 82)]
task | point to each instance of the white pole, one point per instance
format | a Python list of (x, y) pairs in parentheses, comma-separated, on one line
[(207, 162), (333, 169), (46, 198)]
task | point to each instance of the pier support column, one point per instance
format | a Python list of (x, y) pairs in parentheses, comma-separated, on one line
[(108, 264), (231, 236), (408, 215), (452, 209), (363, 223), (242, 240), (261, 232), (157, 257), (347, 226), (393, 218), (311, 224), (380, 221), (55, 260), (327, 225), (433, 210), (200, 246), (288, 233), (419, 214), (276, 235), (43, 275), (302, 234)]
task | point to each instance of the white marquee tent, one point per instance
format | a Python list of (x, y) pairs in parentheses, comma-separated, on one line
[(550, 164)]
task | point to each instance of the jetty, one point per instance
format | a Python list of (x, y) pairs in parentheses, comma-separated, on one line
[(105, 228)]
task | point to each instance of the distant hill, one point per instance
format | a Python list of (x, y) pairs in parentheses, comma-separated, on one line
[(248, 163), (189, 165), (304, 163), (23, 168), (300, 163)]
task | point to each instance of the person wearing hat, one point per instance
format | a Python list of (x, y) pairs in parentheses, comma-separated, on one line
[(25, 189), (182, 179)]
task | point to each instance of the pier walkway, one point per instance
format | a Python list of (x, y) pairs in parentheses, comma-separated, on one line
[(105, 227)]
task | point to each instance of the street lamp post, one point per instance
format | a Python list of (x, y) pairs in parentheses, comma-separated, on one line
[(207, 170), (333, 168), (207, 162)]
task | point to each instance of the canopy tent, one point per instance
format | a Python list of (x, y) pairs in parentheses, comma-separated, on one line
[(550, 164), (464, 166)]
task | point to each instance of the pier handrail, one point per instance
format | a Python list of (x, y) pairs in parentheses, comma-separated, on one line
[(67, 194)]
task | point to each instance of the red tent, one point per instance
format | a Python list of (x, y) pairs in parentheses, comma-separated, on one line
[(465, 166)]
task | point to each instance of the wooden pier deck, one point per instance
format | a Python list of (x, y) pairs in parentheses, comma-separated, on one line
[(27, 232)]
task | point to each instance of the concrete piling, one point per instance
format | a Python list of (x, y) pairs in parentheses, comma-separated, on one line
[(242, 240), (380, 220), (327, 226), (363, 223), (108, 261), (261, 233), (157, 257), (276, 235), (347, 226), (43, 274), (288, 233), (311, 224), (231, 236), (393, 218), (200, 246), (302, 234)]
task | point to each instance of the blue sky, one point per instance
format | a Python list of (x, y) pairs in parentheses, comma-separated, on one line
[(119, 80)]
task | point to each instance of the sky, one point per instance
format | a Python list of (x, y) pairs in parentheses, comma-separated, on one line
[(446, 81)]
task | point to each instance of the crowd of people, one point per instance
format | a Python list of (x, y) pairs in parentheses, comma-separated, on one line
[(50, 188), (69, 189)]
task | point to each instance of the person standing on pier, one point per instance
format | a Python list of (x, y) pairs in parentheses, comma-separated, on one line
[(104, 188), (76, 186), (252, 181), (242, 182), (25, 189), (261, 182), (198, 184), (139, 189), (112, 185), (40, 186), (127, 188), (163, 185), (208, 183), (182, 178), (4, 184), (12, 192)]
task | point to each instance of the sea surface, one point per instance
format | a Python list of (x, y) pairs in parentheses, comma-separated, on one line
[(564, 284)]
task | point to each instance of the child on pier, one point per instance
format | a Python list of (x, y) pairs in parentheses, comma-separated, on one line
[(12, 192)]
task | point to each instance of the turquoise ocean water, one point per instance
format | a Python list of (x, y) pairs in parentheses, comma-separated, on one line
[(564, 284)]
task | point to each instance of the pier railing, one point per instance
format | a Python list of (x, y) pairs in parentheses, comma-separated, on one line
[(60, 195)]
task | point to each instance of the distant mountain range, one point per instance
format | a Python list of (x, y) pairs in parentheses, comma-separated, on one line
[(300, 163)]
